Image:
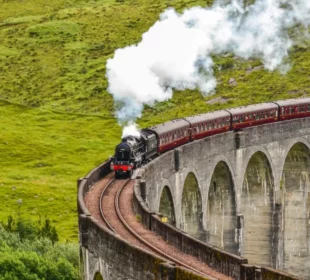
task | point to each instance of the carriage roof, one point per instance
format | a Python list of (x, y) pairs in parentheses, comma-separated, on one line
[(170, 126), (253, 108), (296, 101), (207, 117)]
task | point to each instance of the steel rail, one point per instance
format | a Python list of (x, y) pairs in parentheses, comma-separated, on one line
[(100, 206), (176, 261)]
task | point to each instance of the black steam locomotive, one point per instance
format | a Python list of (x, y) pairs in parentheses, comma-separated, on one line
[(134, 151)]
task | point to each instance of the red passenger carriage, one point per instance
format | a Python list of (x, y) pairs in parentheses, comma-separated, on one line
[(254, 115), (209, 124), (294, 108), (171, 134)]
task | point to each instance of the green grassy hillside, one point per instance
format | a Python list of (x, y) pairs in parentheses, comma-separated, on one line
[(56, 114)]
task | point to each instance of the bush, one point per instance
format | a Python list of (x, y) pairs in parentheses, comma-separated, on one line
[(29, 251)]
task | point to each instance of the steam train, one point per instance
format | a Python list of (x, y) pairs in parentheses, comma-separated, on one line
[(132, 152)]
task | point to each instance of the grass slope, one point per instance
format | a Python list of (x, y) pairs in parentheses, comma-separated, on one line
[(42, 155), (56, 114)]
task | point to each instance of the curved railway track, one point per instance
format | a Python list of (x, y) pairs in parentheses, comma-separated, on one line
[(111, 213)]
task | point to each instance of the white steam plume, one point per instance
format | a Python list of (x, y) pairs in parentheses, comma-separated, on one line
[(175, 53), (131, 130)]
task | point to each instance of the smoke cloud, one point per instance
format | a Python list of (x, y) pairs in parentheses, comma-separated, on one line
[(131, 129), (175, 53)]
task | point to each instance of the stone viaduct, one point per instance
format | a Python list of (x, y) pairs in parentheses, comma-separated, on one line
[(244, 192)]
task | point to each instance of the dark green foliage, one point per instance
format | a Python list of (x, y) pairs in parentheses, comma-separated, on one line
[(48, 231), (30, 230), (35, 257)]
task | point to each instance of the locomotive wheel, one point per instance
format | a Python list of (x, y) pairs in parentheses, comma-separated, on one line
[(116, 175)]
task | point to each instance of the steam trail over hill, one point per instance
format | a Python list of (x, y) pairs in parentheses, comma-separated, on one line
[(175, 53)]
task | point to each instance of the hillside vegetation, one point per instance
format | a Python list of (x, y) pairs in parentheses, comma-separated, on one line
[(30, 251), (57, 118)]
